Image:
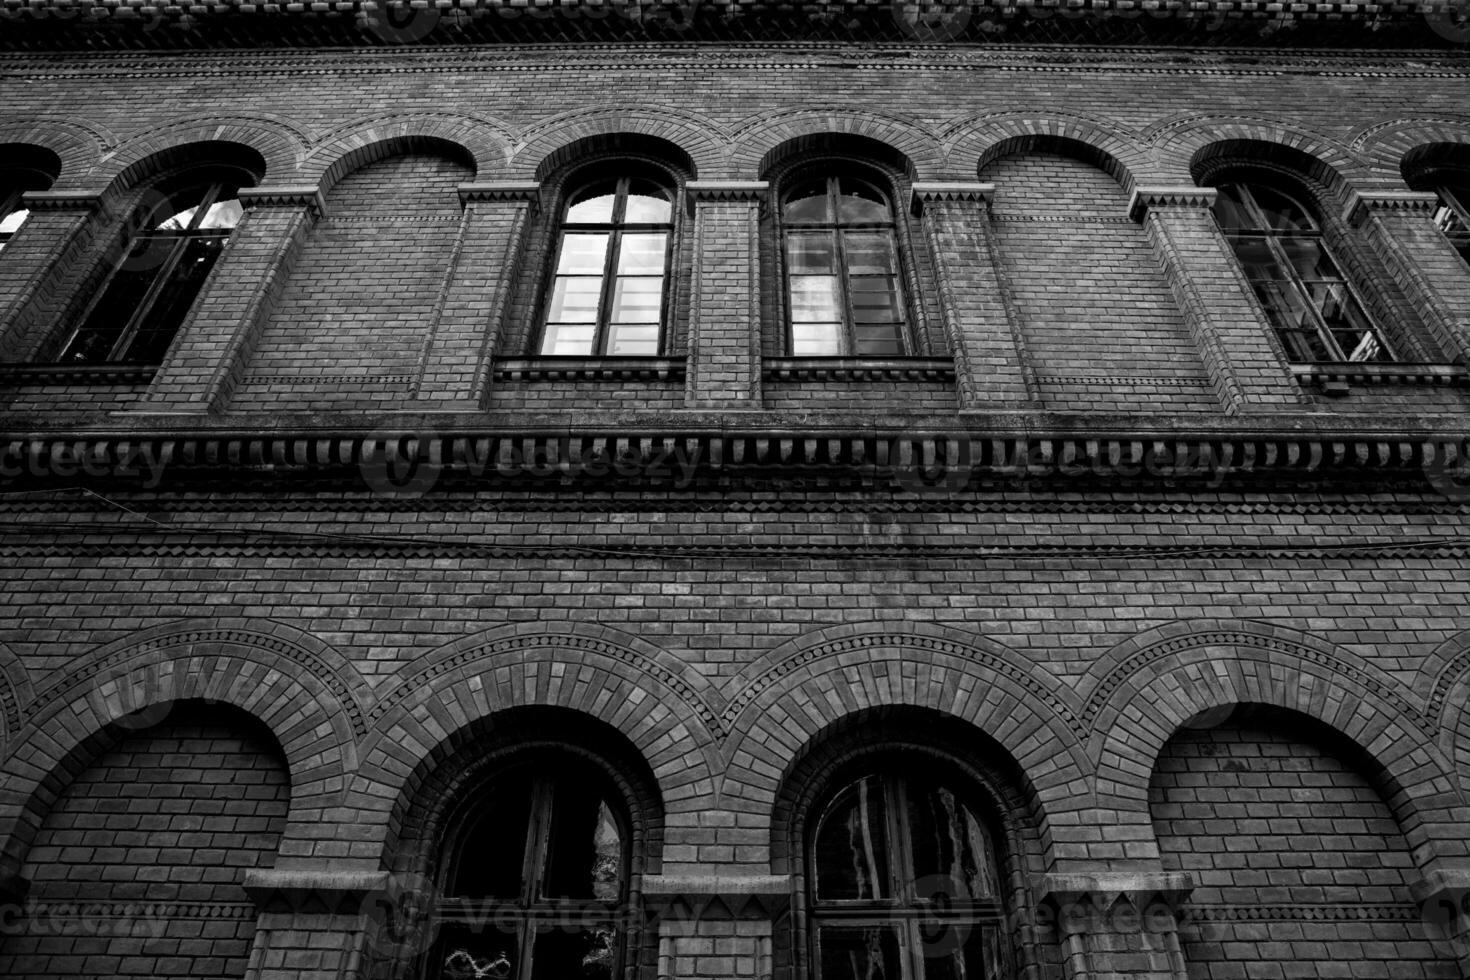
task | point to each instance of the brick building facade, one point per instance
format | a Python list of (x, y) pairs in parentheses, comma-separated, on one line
[(680, 494)]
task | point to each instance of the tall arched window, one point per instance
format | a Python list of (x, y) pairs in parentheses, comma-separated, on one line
[(612, 259), (1309, 302), (1453, 216), (171, 243), (904, 882), (534, 877), (842, 270)]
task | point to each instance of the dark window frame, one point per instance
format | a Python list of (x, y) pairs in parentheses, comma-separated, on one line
[(530, 912), (1453, 214), (199, 189), (902, 910), (1275, 240), (9, 205), (616, 229), (833, 173)]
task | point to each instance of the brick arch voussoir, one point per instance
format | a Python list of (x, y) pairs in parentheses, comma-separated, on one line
[(133, 684), (16, 694), (279, 144), (1385, 144), (1443, 681), (765, 140), (977, 141), (79, 145), (1335, 164), (1192, 677), (613, 677), (701, 143), (480, 141)]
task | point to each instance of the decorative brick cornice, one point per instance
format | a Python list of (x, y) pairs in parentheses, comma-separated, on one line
[(20, 375), (527, 191), (1356, 372), (705, 897), (726, 190), (1085, 902), (858, 369), (284, 196), (963, 192), (61, 200), (313, 891), (1362, 202), (589, 369), (1169, 196)]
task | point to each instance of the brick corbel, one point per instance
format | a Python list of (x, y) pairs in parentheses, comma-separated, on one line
[(313, 891), (725, 190), (500, 190), (61, 200), (688, 897), (293, 196), (1361, 203), (1169, 196), (961, 191)]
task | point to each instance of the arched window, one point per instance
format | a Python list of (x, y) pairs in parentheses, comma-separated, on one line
[(1309, 302), (12, 215), (534, 876), (904, 882), (174, 238), (612, 259), (842, 270), (1453, 216)]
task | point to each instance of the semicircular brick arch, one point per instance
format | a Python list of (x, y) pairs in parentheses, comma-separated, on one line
[(613, 677), (482, 142), (1385, 144), (972, 143), (280, 145), (1180, 141), (295, 685), (16, 694), (761, 141), (808, 684), (1443, 682), (541, 148), (80, 146), (1150, 686)]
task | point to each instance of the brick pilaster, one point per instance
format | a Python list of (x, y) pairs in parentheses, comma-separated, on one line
[(992, 369), (315, 925), (1443, 895), (1116, 925), (713, 927), (36, 259), (1400, 226), (1244, 363), (454, 365), (724, 323), (208, 358)]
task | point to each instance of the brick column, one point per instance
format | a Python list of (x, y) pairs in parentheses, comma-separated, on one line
[(991, 365), (35, 262), (716, 927), (208, 358), (725, 322), (1400, 226), (1235, 341), (1115, 925), (315, 925), (454, 365)]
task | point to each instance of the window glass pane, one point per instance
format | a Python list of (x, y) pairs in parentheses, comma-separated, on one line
[(171, 306), (814, 299), (222, 215), (570, 953), (593, 204), (632, 340), (808, 203), (952, 852), (568, 339), (481, 954), (12, 221), (1309, 258), (811, 252), (582, 254), (816, 339), (1256, 258), (647, 208), (584, 854), (962, 951), (491, 858), (120, 300), (637, 299), (641, 254), (878, 339), (1230, 210), (859, 203), (851, 849), (1282, 213), (874, 299), (574, 299), (869, 253), (859, 953), (1284, 304)]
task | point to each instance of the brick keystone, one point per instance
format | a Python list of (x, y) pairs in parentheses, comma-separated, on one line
[(1412, 201), (332, 892), (718, 896), (726, 190), (926, 191), (1169, 196), (284, 196), (500, 190), (61, 200)]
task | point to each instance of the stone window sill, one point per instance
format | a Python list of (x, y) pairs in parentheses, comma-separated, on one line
[(588, 368), (18, 375), (858, 369), (1335, 377)]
